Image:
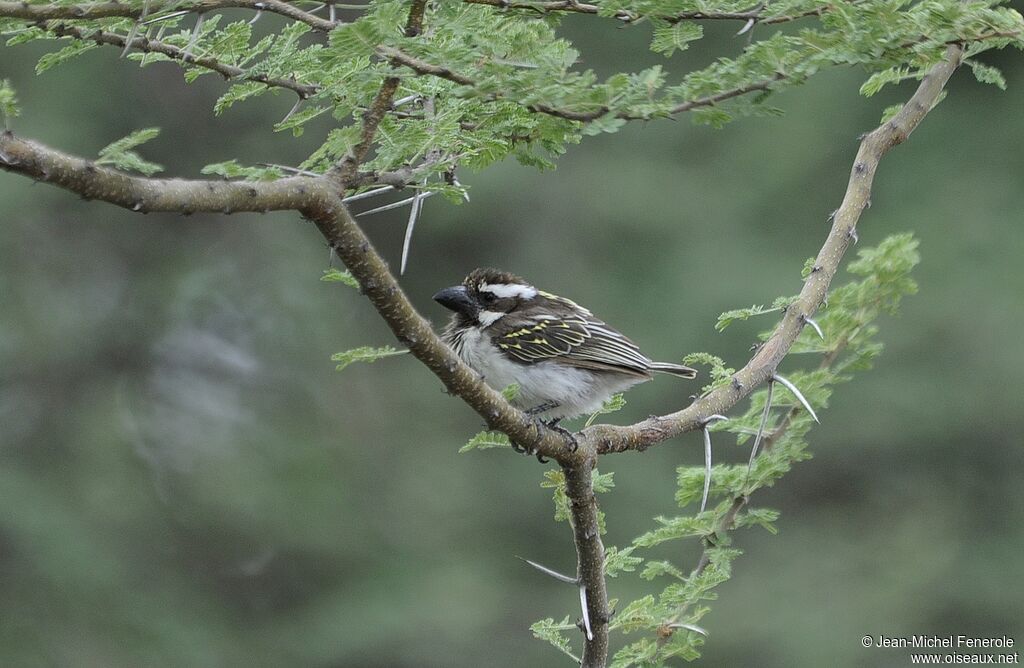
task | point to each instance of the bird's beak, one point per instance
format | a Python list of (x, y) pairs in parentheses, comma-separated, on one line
[(456, 299)]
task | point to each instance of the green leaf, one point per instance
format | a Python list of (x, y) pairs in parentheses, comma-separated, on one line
[(120, 153), (671, 37), (762, 517), (364, 354), (298, 119), (338, 276), (988, 74), (233, 170), (69, 52), (552, 632), (879, 80), (555, 479), (729, 317), (616, 403), (620, 561), (485, 440), (510, 392), (655, 569), (8, 101), (887, 115)]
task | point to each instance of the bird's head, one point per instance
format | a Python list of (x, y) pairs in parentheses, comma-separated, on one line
[(485, 296)]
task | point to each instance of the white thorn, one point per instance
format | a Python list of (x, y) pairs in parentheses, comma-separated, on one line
[(586, 615), (394, 205), (367, 194), (403, 101), (813, 324), (746, 27), (689, 627), (291, 113), (187, 53), (414, 213), (547, 571), (764, 423), (707, 468), (165, 17), (290, 170), (135, 29), (455, 182), (796, 393)]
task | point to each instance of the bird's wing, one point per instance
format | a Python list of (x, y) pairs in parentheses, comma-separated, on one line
[(579, 341)]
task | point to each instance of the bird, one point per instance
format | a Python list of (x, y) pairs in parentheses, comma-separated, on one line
[(565, 361)]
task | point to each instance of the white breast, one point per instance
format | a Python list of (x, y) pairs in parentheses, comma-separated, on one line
[(576, 391)]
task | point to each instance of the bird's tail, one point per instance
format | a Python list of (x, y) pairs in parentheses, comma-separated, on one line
[(674, 369)]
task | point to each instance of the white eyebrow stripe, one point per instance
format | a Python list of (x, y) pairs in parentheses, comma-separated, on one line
[(503, 290), (488, 318)]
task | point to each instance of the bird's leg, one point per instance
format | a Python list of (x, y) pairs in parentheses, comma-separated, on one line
[(540, 408)]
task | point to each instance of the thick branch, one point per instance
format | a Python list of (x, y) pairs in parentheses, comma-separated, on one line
[(103, 10), (344, 235), (608, 438), (428, 69), (147, 45), (148, 194), (318, 199), (579, 487)]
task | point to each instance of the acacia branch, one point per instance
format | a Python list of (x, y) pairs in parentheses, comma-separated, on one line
[(428, 69), (319, 200), (761, 367), (147, 45), (571, 6), (144, 194), (381, 104), (103, 10), (579, 488)]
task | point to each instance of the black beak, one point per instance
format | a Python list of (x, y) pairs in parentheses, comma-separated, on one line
[(456, 299)]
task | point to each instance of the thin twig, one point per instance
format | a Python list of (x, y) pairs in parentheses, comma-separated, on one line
[(429, 69), (147, 45), (102, 10)]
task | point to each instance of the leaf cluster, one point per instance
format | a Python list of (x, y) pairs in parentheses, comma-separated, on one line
[(527, 96)]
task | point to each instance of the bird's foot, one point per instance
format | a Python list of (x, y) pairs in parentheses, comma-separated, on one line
[(541, 408), (569, 436)]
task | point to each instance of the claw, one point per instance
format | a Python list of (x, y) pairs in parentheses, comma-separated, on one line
[(573, 443)]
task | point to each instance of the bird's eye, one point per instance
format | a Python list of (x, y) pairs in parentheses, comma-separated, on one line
[(488, 297)]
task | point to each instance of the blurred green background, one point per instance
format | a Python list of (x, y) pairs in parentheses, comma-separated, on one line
[(186, 481)]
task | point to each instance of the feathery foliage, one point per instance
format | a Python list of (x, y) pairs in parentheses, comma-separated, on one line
[(666, 620)]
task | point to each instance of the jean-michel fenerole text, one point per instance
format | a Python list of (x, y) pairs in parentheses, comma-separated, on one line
[(959, 641)]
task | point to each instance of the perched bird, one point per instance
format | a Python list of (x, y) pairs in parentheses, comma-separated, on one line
[(565, 361)]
